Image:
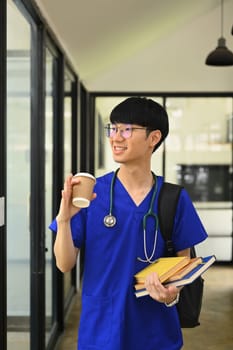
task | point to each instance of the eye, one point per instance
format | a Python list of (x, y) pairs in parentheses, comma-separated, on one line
[(128, 128)]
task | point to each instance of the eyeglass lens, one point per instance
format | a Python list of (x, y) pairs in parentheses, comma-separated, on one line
[(112, 130)]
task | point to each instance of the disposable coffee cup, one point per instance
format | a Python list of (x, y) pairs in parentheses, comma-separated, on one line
[(82, 191)]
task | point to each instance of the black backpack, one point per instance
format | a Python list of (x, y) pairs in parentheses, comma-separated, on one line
[(190, 302)]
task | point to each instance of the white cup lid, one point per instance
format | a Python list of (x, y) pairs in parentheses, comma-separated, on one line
[(86, 175)]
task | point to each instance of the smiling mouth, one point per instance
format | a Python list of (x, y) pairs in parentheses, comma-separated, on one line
[(119, 148)]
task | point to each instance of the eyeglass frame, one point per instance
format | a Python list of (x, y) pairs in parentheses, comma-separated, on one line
[(108, 129)]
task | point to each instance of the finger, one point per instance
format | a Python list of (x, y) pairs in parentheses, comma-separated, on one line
[(173, 289), (158, 291), (75, 180), (68, 186), (153, 280), (94, 195), (154, 286)]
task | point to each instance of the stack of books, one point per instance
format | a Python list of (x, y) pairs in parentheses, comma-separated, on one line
[(176, 271)]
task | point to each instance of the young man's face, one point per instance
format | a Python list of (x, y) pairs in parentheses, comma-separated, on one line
[(130, 143)]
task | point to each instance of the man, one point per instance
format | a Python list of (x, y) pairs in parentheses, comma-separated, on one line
[(120, 239)]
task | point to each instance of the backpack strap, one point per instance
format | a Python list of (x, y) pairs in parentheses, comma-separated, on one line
[(167, 203)]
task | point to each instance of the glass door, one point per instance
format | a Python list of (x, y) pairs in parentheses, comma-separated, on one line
[(40, 115), (18, 178)]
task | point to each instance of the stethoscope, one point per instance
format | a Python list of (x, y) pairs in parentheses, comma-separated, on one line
[(110, 220)]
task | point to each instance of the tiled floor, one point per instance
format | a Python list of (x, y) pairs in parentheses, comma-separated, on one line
[(215, 331)]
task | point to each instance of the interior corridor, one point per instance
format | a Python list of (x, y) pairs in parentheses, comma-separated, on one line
[(215, 331)]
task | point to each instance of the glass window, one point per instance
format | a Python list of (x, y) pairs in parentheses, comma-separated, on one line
[(18, 176), (199, 156), (199, 134)]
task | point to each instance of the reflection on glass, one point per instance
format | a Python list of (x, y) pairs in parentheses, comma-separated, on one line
[(67, 150), (199, 156), (198, 133), (18, 174), (48, 185)]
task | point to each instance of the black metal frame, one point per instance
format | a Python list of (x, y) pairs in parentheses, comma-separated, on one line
[(57, 278), (37, 199), (74, 163), (86, 138), (3, 297), (160, 94), (83, 128)]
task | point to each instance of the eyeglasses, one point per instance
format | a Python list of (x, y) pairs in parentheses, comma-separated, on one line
[(126, 132)]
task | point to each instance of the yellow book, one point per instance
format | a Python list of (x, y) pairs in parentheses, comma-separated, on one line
[(164, 267)]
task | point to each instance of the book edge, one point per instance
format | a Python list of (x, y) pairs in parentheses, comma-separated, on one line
[(211, 259)]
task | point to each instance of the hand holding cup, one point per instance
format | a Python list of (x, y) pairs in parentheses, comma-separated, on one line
[(82, 192)]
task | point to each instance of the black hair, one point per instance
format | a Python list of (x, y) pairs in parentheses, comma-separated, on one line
[(144, 112)]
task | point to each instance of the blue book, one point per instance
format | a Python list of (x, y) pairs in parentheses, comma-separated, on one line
[(186, 279)]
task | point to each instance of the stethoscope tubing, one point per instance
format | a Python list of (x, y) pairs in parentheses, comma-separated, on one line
[(110, 220)]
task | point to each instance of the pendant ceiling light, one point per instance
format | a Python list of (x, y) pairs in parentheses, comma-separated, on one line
[(221, 56)]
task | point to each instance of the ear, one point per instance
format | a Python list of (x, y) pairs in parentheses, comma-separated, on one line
[(155, 137)]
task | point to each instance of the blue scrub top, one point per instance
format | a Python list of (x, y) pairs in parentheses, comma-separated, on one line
[(112, 317)]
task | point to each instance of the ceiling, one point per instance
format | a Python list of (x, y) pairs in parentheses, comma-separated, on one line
[(149, 45)]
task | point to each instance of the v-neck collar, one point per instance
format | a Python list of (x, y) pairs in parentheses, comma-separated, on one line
[(130, 199)]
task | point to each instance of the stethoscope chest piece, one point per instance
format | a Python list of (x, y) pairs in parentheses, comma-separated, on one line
[(109, 220)]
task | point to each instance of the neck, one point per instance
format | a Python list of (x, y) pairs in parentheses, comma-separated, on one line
[(138, 183), (136, 176)]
